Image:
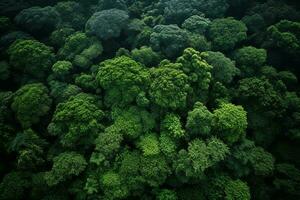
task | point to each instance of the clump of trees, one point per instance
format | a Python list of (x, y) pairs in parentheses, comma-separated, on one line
[(164, 99)]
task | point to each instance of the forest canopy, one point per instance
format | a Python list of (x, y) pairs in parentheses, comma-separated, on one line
[(149, 99)]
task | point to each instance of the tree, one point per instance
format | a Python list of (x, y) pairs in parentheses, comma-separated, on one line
[(62, 68), (223, 68), (146, 56), (123, 79), (199, 120), (204, 155), (13, 186), (237, 190), (262, 161), (285, 36), (107, 24), (87, 82), (225, 33), (171, 125), (169, 86), (65, 166), (113, 186), (198, 71), (31, 57), (174, 13), (250, 59), (37, 20), (61, 91), (31, 102), (154, 170), (109, 4), (80, 49), (59, 36), (169, 39), (107, 145), (166, 194), (149, 145), (29, 148), (197, 24), (71, 14), (230, 122), (133, 122), (259, 93), (77, 121)]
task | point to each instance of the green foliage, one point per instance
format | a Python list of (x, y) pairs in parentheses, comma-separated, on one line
[(123, 79), (77, 121), (169, 39), (59, 36), (287, 180), (146, 56), (149, 145), (30, 149), (169, 86), (62, 68), (262, 161), (4, 70), (166, 194), (80, 49), (199, 120), (285, 35), (143, 99), (13, 186), (31, 102), (225, 33), (108, 142), (171, 125), (31, 57), (196, 24), (38, 20), (61, 91), (113, 186), (203, 155), (230, 122), (259, 92), (198, 71), (154, 170), (71, 14), (65, 166), (133, 122), (224, 69), (237, 190), (5, 24), (250, 59), (87, 82), (107, 24), (173, 11)]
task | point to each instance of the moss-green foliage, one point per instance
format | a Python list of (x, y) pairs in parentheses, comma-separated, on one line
[(199, 120), (65, 166), (226, 33), (107, 24), (197, 24), (83, 117), (230, 122), (237, 190), (144, 99), (123, 79), (31, 102), (31, 57), (169, 39), (224, 69), (37, 20), (169, 86)]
